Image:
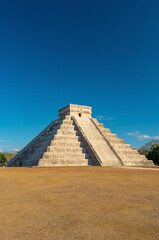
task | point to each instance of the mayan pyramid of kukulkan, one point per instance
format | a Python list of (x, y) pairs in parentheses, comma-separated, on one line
[(77, 139)]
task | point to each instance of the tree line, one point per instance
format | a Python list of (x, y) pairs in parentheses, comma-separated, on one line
[(5, 157), (151, 151)]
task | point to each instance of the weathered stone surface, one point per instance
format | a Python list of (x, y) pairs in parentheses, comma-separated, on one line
[(75, 110), (77, 139)]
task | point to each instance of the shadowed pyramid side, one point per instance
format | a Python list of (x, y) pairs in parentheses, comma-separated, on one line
[(30, 155)]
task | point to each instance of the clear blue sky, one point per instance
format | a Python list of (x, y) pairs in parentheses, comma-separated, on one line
[(103, 54)]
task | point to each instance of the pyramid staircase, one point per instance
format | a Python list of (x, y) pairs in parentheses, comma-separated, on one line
[(98, 143), (77, 139)]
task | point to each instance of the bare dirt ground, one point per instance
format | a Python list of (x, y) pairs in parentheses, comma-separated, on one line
[(93, 203)]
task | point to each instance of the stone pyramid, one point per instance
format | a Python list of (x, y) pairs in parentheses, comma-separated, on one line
[(77, 139)]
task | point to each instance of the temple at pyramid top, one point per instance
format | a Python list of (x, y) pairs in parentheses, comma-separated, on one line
[(77, 139), (75, 110)]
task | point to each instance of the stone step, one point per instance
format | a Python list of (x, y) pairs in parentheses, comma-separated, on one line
[(44, 139), (111, 136), (28, 163), (66, 149), (106, 130), (132, 163), (40, 150), (116, 141), (51, 133), (67, 127), (143, 157), (66, 144), (67, 133), (58, 152), (35, 156), (132, 157), (59, 155), (67, 117), (44, 144), (101, 125), (53, 128), (67, 138), (60, 162), (127, 152), (148, 162), (65, 162), (139, 162), (119, 146), (67, 122)]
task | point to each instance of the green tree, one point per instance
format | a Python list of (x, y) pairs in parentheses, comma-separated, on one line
[(3, 160), (154, 155), (148, 147)]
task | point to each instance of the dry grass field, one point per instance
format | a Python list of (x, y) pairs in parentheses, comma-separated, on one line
[(79, 203)]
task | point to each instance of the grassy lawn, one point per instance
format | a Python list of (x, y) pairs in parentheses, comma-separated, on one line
[(79, 203)]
